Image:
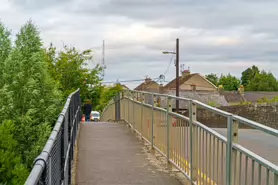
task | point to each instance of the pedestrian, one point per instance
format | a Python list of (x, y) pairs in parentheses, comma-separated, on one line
[(87, 110)]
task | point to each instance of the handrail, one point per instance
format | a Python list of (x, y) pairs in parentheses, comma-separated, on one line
[(43, 169), (149, 120)]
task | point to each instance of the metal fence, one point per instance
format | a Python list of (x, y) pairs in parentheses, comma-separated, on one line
[(53, 165), (203, 155)]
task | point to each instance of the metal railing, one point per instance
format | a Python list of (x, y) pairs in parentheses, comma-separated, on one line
[(53, 165), (203, 155)]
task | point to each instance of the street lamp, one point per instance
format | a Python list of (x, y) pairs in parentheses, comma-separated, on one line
[(177, 71), (168, 52)]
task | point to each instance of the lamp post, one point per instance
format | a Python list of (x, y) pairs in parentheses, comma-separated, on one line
[(177, 71)]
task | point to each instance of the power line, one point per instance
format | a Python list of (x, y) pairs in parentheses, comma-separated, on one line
[(120, 81), (169, 65)]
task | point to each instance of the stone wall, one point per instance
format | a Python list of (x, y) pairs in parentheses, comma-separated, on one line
[(264, 114)]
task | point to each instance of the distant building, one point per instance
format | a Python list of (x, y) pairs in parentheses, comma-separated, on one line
[(191, 82), (149, 85), (124, 87), (193, 86)]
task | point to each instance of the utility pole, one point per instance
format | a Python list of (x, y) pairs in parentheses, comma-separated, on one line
[(177, 75), (177, 71), (103, 59)]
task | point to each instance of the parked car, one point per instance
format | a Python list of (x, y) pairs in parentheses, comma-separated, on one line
[(95, 116)]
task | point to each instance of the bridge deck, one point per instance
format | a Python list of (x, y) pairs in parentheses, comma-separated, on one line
[(109, 154)]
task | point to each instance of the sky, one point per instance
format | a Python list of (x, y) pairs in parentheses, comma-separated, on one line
[(214, 36)]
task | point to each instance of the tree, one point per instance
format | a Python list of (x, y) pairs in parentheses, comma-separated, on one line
[(229, 82), (263, 82), (107, 94), (12, 170), (68, 68), (29, 98), (248, 75), (213, 78), (5, 48)]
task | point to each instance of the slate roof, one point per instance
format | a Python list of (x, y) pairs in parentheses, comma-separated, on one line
[(232, 96), (255, 96), (143, 86), (172, 84)]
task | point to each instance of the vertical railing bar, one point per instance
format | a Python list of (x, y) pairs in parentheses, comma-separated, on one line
[(222, 162), (168, 129), (260, 175), (153, 105), (229, 151), (240, 165), (217, 162), (246, 168), (198, 153), (253, 171), (203, 156), (275, 178), (209, 160), (267, 176)]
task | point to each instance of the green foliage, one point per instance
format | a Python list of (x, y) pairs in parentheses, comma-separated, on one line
[(31, 101), (263, 81), (68, 67), (213, 104), (213, 79), (229, 82), (248, 75), (12, 171), (5, 48), (266, 100), (107, 93)]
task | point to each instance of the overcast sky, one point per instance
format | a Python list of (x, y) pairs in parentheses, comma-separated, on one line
[(215, 36)]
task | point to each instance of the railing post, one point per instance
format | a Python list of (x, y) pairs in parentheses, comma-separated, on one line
[(123, 113), (50, 170), (153, 106), (119, 107), (229, 150), (142, 99), (133, 100), (169, 122), (193, 142), (235, 165)]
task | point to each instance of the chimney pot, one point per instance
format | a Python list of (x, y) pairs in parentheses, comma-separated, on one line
[(185, 73)]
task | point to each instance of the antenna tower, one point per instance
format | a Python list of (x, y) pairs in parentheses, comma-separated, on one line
[(103, 59)]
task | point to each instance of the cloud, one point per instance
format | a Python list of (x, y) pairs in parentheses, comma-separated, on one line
[(215, 37)]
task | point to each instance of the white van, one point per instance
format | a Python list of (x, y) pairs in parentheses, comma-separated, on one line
[(95, 116)]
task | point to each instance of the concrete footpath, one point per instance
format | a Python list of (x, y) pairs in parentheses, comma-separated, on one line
[(110, 154)]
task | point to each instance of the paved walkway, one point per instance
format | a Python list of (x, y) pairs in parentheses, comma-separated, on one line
[(110, 154)]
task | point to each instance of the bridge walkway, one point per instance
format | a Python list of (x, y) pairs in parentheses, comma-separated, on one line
[(110, 154)]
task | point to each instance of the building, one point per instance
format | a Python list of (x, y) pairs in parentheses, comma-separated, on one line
[(193, 86), (149, 85), (191, 82), (124, 87)]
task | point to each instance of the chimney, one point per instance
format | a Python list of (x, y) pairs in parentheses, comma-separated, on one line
[(185, 73), (148, 80), (241, 89)]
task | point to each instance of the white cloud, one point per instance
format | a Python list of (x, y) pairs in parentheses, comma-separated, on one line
[(215, 37)]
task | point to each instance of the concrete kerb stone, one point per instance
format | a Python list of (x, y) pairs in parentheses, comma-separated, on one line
[(75, 159)]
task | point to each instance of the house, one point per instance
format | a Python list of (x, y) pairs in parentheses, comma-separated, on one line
[(194, 86), (191, 82), (149, 85), (124, 87)]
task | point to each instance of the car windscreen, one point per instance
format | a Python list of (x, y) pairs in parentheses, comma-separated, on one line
[(95, 115)]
